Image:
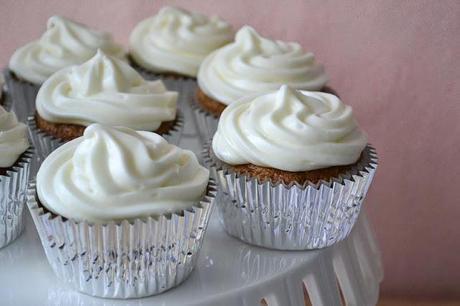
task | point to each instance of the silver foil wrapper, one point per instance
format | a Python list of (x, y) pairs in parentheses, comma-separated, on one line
[(125, 259), (13, 188), (23, 95), (45, 144), (205, 121), (291, 217)]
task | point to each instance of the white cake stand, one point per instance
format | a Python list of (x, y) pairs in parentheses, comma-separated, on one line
[(229, 272)]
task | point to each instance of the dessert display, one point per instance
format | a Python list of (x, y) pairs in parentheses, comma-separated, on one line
[(64, 43), (120, 204), (303, 154), (102, 90), (15, 158), (174, 42), (129, 208), (249, 65)]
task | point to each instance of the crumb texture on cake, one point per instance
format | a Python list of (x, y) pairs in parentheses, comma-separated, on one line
[(287, 177), (67, 132), (209, 104)]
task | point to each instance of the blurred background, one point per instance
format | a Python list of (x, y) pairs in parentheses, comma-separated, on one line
[(396, 62)]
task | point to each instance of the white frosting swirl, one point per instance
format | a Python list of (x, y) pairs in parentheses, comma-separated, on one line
[(289, 130), (105, 90), (254, 64), (118, 173), (13, 138), (176, 40), (64, 43)]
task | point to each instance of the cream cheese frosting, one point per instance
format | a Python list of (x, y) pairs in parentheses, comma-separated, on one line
[(117, 173), (105, 90), (64, 43), (13, 138), (289, 130), (176, 40), (254, 64)]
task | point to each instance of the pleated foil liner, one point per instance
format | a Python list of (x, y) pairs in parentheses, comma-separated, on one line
[(291, 217), (23, 95), (45, 143), (126, 259), (205, 121), (13, 189)]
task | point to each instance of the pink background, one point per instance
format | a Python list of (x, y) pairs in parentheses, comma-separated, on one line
[(395, 62)]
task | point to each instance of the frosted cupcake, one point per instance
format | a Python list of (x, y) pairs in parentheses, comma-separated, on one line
[(121, 213), (293, 168), (252, 64), (103, 90), (175, 42), (63, 44), (15, 158)]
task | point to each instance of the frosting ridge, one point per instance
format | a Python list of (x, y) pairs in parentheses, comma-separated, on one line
[(289, 130), (105, 90), (254, 64), (13, 138), (118, 173), (176, 40), (64, 43)]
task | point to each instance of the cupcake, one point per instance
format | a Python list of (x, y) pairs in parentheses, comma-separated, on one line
[(103, 90), (64, 43), (175, 42), (121, 213), (292, 168), (249, 65), (15, 158)]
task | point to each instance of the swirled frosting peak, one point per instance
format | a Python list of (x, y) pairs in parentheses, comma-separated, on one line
[(289, 130), (254, 64), (176, 40), (105, 90), (64, 43), (13, 138), (118, 173)]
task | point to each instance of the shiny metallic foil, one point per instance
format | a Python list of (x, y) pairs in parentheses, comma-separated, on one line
[(125, 259), (205, 121), (13, 188), (23, 95), (291, 217)]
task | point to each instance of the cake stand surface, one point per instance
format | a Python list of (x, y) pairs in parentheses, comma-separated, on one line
[(229, 272)]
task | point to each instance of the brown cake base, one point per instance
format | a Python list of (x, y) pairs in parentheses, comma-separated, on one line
[(169, 74), (287, 177), (67, 132), (216, 108)]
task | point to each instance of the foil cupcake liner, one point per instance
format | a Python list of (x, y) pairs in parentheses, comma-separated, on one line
[(205, 121), (291, 217), (126, 259), (13, 188), (45, 143), (23, 95)]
